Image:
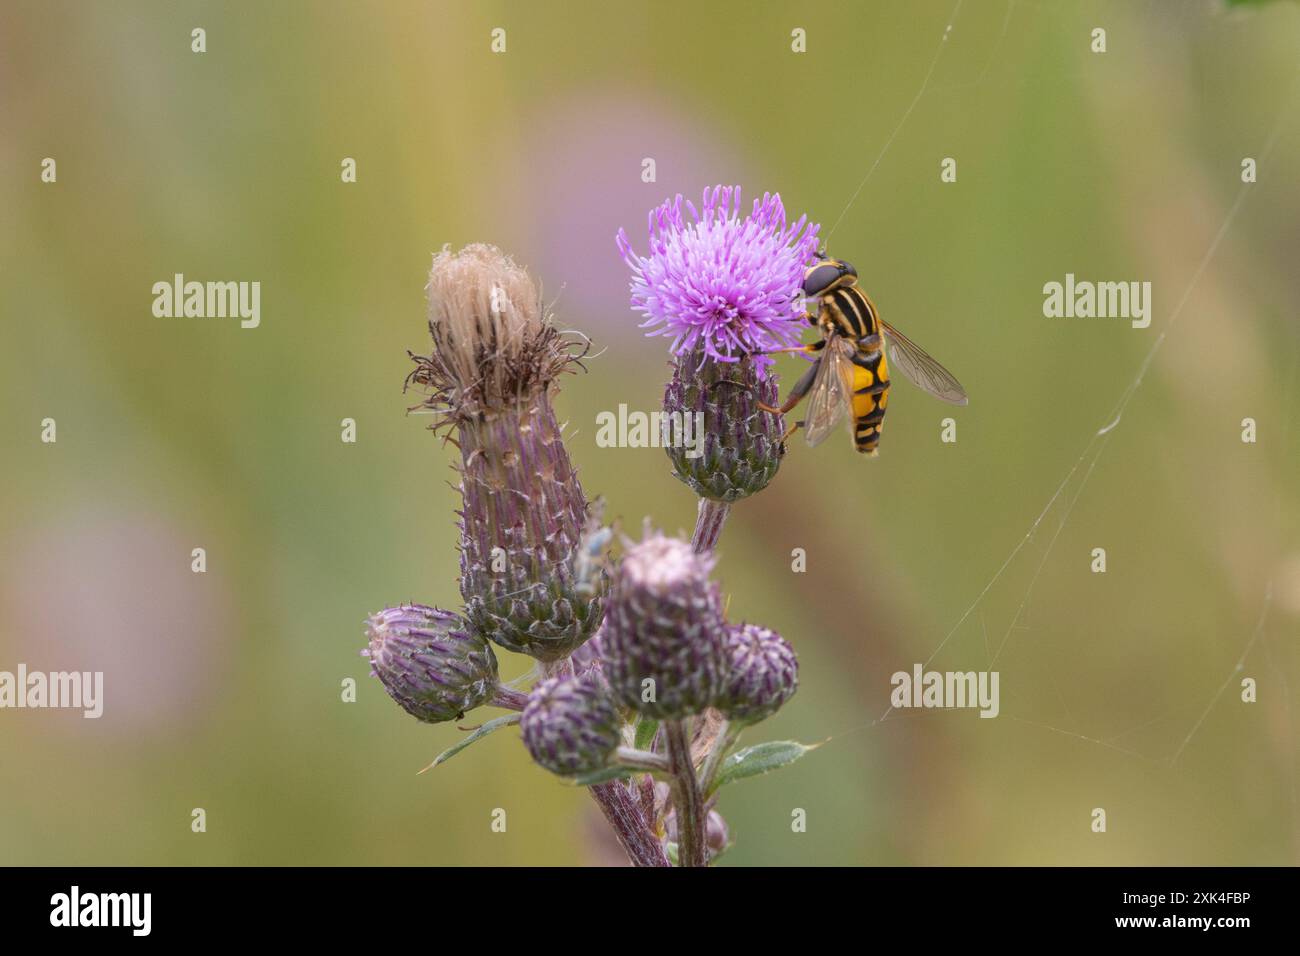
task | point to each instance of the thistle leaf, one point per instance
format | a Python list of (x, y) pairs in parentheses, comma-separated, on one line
[(646, 728), (759, 759), (495, 724)]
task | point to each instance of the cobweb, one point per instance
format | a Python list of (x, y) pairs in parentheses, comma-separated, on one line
[(1046, 526)]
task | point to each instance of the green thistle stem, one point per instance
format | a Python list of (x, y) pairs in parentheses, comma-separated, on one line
[(691, 847), (617, 802), (625, 817), (709, 519), (642, 759), (508, 699), (726, 739)]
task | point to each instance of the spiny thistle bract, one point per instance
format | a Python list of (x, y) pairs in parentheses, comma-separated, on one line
[(743, 446), (663, 637), (570, 725), (762, 674), (430, 662), (727, 289), (491, 375)]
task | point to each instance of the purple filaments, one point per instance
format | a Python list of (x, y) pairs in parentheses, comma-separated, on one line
[(714, 281)]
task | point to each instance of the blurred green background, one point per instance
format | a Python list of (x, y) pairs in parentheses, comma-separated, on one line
[(223, 689)]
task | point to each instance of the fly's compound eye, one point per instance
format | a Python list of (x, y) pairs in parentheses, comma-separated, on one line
[(820, 278)]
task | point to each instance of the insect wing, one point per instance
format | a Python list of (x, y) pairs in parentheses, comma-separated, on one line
[(922, 370), (832, 391)]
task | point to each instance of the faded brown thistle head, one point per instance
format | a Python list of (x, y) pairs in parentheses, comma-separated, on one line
[(493, 343), (495, 358)]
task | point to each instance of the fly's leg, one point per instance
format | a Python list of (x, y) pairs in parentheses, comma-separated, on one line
[(815, 347), (797, 393)]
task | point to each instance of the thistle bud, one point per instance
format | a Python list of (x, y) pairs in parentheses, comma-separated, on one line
[(662, 643), (716, 834), (570, 725), (762, 674), (491, 376), (430, 662)]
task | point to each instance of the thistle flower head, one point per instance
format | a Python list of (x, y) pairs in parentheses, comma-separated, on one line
[(493, 343), (570, 725), (662, 641), (728, 285), (762, 673), (496, 354), (430, 662)]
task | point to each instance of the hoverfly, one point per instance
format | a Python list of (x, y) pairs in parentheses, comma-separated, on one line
[(851, 373)]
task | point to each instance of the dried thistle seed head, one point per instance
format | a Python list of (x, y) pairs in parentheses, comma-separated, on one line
[(662, 641), (527, 581), (741, 447), (493, 343), (570, 725), (762, 674), (430, 662)]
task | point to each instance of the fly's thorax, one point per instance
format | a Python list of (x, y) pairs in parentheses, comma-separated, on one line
[(852, 312)]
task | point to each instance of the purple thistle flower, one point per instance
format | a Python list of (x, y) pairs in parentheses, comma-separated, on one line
[(729, 285)]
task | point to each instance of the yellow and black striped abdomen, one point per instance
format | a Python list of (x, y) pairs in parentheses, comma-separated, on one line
[(870, 396)]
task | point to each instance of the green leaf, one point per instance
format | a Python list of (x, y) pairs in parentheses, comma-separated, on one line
[(604, 775), (495, 724), (670, 851), (646, 728), (759, 759)]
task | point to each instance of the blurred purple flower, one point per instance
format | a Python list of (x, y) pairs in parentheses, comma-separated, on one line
[(728, 285), (109, 588)]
